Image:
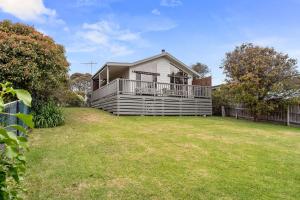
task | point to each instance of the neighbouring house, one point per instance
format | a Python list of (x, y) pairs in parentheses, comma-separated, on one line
[(158, 85)]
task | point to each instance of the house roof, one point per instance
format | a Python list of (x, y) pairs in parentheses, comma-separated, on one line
[(162, 54)]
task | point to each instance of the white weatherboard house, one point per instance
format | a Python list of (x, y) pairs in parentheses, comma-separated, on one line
[(158, 85)]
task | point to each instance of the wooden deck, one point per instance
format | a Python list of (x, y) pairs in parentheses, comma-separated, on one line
[(130, 97)]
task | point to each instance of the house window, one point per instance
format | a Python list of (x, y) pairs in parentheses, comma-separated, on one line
[(154, 78), (178, 76), (138, 77)]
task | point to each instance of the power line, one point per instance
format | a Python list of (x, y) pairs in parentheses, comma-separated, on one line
[(91, 64)]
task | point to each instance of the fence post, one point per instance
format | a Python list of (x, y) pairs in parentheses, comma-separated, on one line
[(236, 113), (288, 115), (17, 111), (223, 111)]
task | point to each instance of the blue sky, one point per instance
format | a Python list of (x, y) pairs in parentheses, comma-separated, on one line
[(191, 30)]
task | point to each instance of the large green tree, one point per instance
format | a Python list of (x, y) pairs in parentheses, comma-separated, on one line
[(31, 60), (255, 75), (201, 68), (80, 82)]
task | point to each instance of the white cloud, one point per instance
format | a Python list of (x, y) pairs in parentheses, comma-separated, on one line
[(128, 36), (106, 35), (96, 37), (155, 12), (66, 29), (85, 2), (170, 3), (149, 23), (98, 3), (120, 50), (107, 30), (161, 24), (29, 10), (269, 41), (77, 48)]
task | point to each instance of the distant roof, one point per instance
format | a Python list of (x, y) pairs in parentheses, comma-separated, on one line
[(162, 54)]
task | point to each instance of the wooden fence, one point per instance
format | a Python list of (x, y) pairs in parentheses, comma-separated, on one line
[(284, 116)]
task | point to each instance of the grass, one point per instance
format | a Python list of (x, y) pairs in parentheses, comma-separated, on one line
[(99, 156)]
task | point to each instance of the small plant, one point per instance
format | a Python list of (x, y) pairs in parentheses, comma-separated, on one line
[(48, 114), (13, 147)]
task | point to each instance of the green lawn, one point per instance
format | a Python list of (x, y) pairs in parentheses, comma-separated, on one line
[(96, 155)]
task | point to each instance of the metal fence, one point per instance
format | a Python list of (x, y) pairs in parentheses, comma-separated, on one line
[(13, 108), (288, 116)]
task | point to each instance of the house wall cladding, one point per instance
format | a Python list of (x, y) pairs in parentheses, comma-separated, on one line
[(151, 105), (160, 65)]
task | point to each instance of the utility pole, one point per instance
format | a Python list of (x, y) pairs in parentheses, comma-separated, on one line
[(91, 65)]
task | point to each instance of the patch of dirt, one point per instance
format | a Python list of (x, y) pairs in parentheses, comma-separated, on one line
[(90, 117), (78, 187), (81, 186), (118, 183)]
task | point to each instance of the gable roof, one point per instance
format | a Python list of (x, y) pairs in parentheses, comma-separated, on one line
[(162, 54)]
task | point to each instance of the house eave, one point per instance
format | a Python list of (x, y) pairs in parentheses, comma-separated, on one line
[(120, 64), (163, 54)]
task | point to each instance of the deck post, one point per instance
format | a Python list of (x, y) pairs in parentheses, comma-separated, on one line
[(180, 103), (107, 74), (118, 99), (163, 106), (118, 85), (99, 80), (144, 108)]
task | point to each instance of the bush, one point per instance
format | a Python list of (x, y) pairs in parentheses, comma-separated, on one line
[(74, 99), (31, 60), (13, 146), (220, 98), (48, 115)]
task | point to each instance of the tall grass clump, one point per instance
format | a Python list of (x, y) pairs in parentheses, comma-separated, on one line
[(47, 115)]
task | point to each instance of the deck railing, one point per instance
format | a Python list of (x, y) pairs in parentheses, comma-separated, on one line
[(106, 90), (134, 87)]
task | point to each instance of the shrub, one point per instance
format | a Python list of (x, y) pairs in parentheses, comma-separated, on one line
[(48, 115), (31, 60), (220, 97), (74, 99), (13, 146)]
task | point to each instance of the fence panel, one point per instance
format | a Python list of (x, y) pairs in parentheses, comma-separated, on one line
[(13, 108), (279, 115)]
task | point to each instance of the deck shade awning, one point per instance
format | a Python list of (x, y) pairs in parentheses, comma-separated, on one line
[(176, 76), (147, 73)]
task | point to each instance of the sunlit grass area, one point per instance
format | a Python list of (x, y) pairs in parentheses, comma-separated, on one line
[(96, 155)]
